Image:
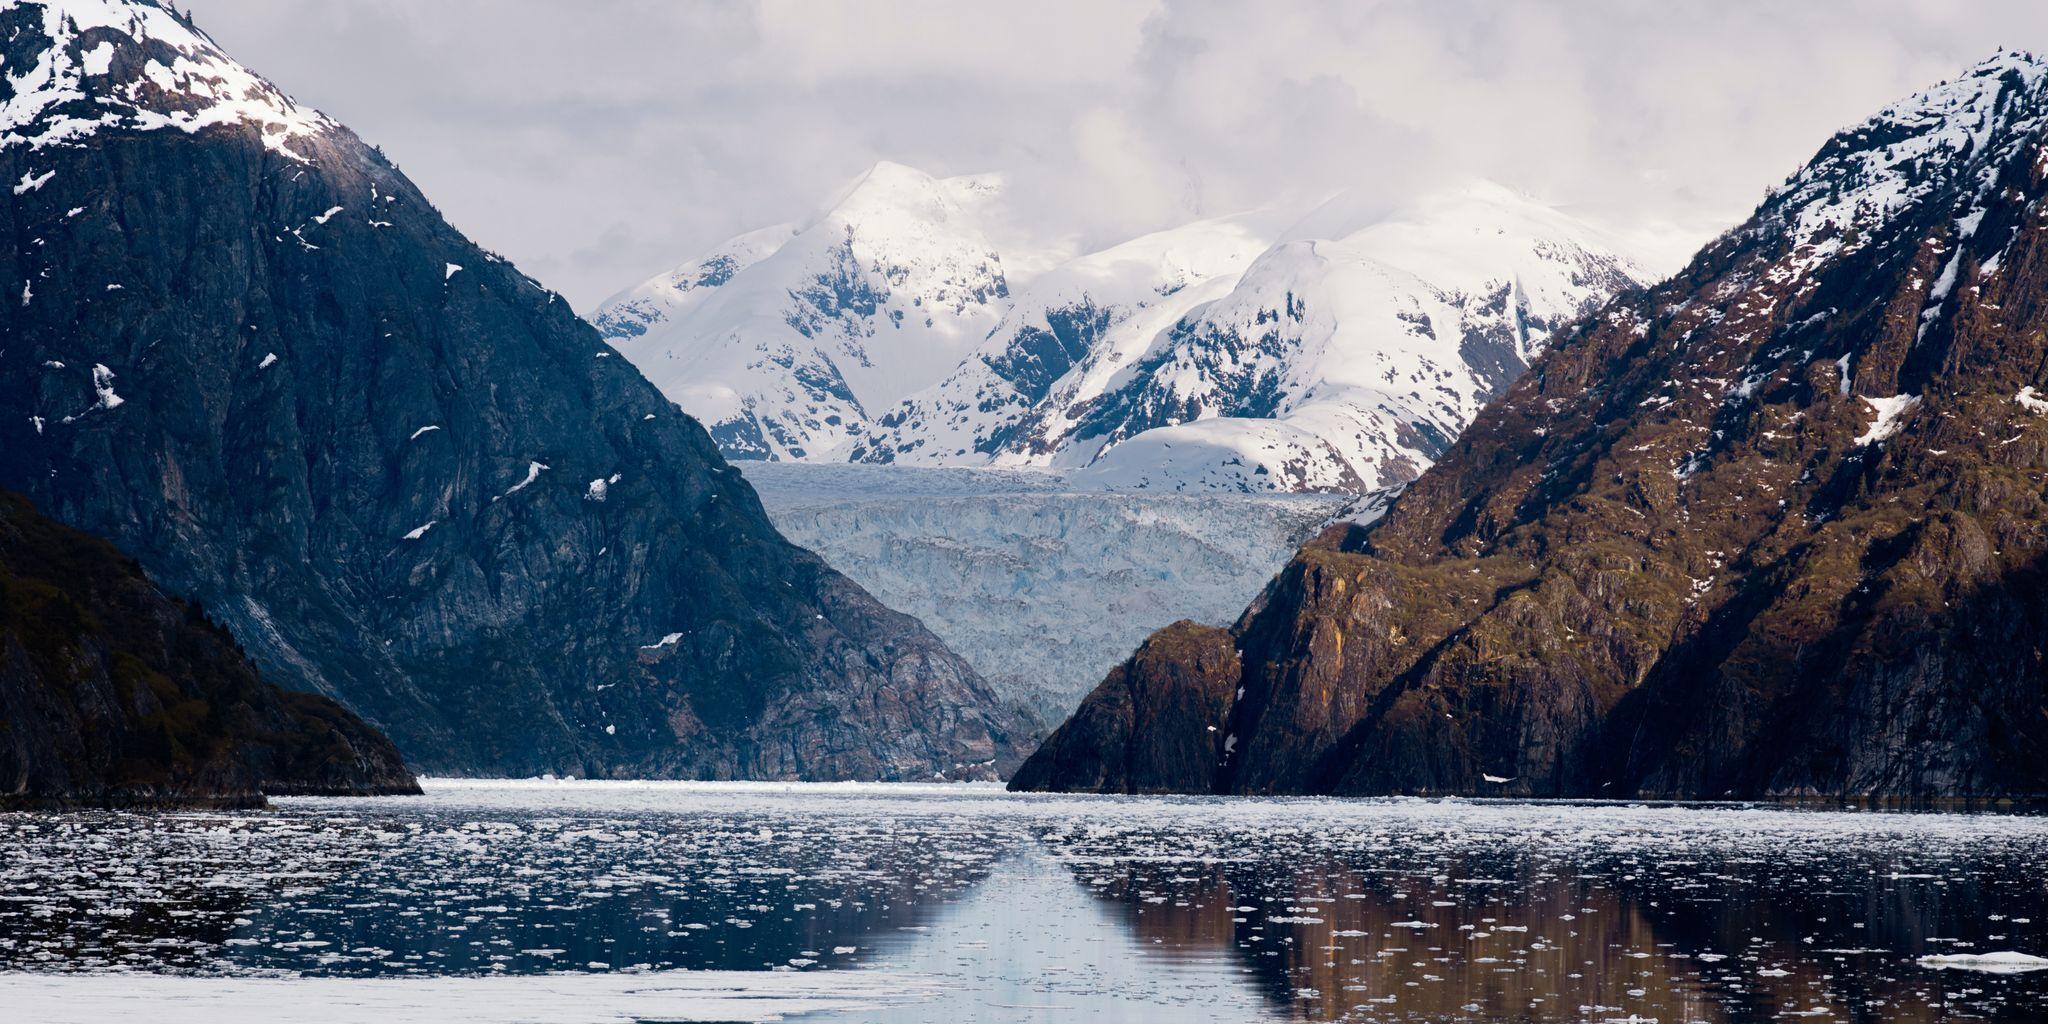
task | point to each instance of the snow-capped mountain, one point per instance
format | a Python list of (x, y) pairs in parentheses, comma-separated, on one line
[(1101, 310), (1341, 350), (785, 341), (665, 298), (1346, 357)]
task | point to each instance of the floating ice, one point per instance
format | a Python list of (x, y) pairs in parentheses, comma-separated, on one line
[(529, 999), (1991, 963)]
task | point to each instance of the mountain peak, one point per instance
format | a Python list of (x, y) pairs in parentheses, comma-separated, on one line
[(1953, 135), (886, 186), (892, 193), (69, 68)]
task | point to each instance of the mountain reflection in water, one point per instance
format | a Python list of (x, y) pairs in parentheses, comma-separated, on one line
[(1403, 932), (1049, 908)]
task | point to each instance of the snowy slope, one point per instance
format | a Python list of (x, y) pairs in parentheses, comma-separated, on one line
[(1098, 309), (1349, 355), (791, 346), (1040, 582), (65, 83), (666, 298), (1341, 350)]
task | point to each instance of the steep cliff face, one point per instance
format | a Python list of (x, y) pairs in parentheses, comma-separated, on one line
[(1773, 528), (113, 694), (239, 343), (1152, 726)]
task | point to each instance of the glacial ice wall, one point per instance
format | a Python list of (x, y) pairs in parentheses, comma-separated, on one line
[(1042, 583)]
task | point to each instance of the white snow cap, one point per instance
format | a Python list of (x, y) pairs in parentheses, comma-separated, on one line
[(1870, 172), (135, 65), (1333, 351), (792, 336)]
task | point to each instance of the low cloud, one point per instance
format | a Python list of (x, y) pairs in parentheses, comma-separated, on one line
[(600, 142)]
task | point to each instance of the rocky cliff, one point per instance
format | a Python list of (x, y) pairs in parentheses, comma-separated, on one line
[(1777, 527), (239, 343), (112, 694)]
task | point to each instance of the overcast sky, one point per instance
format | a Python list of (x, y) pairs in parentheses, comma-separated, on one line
[(601, 141)]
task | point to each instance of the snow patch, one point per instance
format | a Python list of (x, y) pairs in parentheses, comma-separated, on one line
[(103, 386), (668, 641), (533, 472), (1891, 417)]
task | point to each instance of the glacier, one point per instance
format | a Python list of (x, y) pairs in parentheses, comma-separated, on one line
[(1043, 580)]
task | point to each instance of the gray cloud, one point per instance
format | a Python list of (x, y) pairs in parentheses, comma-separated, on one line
[(598, 142)]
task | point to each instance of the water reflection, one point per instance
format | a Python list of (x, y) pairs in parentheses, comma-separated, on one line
[(1049, 909), (1468, 927)]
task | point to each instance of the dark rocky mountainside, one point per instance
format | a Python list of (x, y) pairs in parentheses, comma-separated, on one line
[(239, 343), (1776, 527), (113, 694)]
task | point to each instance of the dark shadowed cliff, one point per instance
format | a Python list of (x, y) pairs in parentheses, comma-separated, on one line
[(113, 694), (239, 343)]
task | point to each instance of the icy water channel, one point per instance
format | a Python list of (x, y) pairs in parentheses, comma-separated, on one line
[(583, 901)]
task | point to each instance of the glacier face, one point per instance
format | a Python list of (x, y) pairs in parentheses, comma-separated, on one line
[(1042, 582)]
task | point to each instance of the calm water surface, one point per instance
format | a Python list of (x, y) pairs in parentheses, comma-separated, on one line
[(1068, 909)]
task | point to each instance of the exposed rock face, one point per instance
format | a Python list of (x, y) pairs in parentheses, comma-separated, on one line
[(113, 694), (243, 346), (1151, 727), (1773, 528)]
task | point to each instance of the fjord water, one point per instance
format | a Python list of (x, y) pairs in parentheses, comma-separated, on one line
[(963, 903)]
